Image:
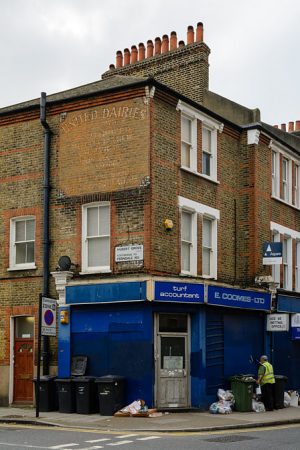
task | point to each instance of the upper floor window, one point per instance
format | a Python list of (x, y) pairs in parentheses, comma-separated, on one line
[(96, 237), (201, 160), (190, 213), (285, 179), (296, 194), (188, 142), (188, 242), (288, 278), (285, 176), (274, 173), (297, 267), (206, 151), (22, 243), (207, 249)]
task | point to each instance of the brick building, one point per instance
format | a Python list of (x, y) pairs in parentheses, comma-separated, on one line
[(162, 194)]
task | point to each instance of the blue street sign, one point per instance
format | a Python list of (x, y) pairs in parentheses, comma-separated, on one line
[(272, 253)]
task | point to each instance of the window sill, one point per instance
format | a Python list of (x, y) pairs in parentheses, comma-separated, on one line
[(14, 269), (200, 175), (95, 272), (285, 202)]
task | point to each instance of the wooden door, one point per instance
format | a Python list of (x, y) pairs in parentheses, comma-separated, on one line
[(23, 370)]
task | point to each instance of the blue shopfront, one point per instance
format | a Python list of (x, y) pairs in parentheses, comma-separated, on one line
[(286, 345), (175, 342)]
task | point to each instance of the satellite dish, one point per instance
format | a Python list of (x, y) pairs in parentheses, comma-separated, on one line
[(64, 263)]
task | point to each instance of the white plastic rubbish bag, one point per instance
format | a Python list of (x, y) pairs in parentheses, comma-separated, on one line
[(258, 406), (286, 400)]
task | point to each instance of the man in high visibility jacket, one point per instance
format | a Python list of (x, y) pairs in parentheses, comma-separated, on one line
[(266, 380)]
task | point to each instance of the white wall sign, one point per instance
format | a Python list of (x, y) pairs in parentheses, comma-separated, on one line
[(278, 322), (48, 317), (127, 253), (295, 320)]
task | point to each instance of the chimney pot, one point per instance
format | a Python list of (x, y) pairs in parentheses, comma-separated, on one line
[(199, 32), (119, 59), (283, 127), (126, 56), (134, 54), (173, 40), (142, 51), (190, 35), (157, 46), (181, 44), (165, 43), (150, 47), (291, 127), (111, 67), (297, 125), (275, 126)]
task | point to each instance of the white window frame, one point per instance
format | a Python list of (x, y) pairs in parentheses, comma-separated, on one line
[(214, 126), (192, 144), (85, 267), (275, 173), (285, 179), (290, 235), (212, 153), (297, 267), (276, 267), (279, 154), (296, 185), (208, 212), (193, 243), (12, 244)]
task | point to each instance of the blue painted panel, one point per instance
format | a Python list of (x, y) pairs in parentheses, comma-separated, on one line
[(295, 332), (118, 342), (179, 292), (286, 359), (287, 303), (238, 298), (243, 337), (198, 399), (64, 346), (104, 293), (214, 352)]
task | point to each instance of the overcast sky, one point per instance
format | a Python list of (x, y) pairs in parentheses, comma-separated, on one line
[(53, 45)]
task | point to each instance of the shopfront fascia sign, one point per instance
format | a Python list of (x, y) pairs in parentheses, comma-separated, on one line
[(179, 292), (278, 322), (238, 298), (129, 253)]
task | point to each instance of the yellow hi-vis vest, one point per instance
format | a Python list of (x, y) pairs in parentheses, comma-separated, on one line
[(269, 374)]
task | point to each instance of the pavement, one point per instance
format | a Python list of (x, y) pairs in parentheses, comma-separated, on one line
[(166, 423)]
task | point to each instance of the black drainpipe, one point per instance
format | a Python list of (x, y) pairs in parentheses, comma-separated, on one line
[(46, 241)]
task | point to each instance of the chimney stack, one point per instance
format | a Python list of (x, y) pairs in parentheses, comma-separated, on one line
[(291, 127), (283, 127), (297, 125)]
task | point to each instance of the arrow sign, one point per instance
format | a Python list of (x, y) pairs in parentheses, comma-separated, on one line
[(272, 253)]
